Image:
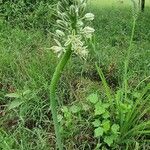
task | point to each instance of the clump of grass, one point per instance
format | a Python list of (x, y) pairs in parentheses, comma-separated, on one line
[(130, 112)]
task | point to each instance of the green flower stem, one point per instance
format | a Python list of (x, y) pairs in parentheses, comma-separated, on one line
[(53, 86)]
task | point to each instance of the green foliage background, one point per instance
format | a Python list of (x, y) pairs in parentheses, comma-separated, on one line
[(28, 13), (27, 65)]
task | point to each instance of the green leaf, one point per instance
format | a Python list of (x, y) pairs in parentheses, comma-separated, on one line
[(75, 109), (108, 140), (93, 98), (12, 95), (99, 109), (96, 123), (106, 105), (115, 128), (14, 104), (106, 115), (136, 94), (98, 132), (106, 125)]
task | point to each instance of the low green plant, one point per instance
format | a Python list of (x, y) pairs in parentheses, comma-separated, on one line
[(128, 114), (128, 108), (68, 117), (19, 98), (105, 128)]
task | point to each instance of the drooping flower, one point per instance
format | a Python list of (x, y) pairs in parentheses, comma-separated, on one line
[(87, 31), (58, 49), (89, 17), (78, 46), (82, 51)]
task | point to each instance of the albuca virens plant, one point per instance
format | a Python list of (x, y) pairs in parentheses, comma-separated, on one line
[(70, 37)]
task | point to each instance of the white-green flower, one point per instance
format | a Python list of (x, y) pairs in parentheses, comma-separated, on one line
[(82, 51), (73, 38), (71, 28), (59, 49), (87, 31), (78, 46), (56, 49), (89, 16)]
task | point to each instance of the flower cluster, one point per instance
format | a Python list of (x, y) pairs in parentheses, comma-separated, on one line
[(72, 27)]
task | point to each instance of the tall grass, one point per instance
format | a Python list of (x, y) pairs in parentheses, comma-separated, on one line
[(132, 123)]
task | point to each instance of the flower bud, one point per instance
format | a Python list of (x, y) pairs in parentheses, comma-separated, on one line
[(60, 33), (82, 8), (72, 10), (60, 7), (62, 23), (65, 2), (56, 49)]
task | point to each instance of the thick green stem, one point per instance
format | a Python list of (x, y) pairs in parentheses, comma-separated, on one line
[(53, 86)]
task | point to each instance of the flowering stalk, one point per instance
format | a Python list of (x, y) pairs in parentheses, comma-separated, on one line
[(53, 85), (72, 33)]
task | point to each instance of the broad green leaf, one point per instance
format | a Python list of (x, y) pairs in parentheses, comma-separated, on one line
[(96, 123), (99, 109), (106, 115), (106, 125), (75, 109), (12, 95), (136, 94), (106, 105), (93, 98), (14, 104), (115, 128), (98, 132), (108, 140)]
